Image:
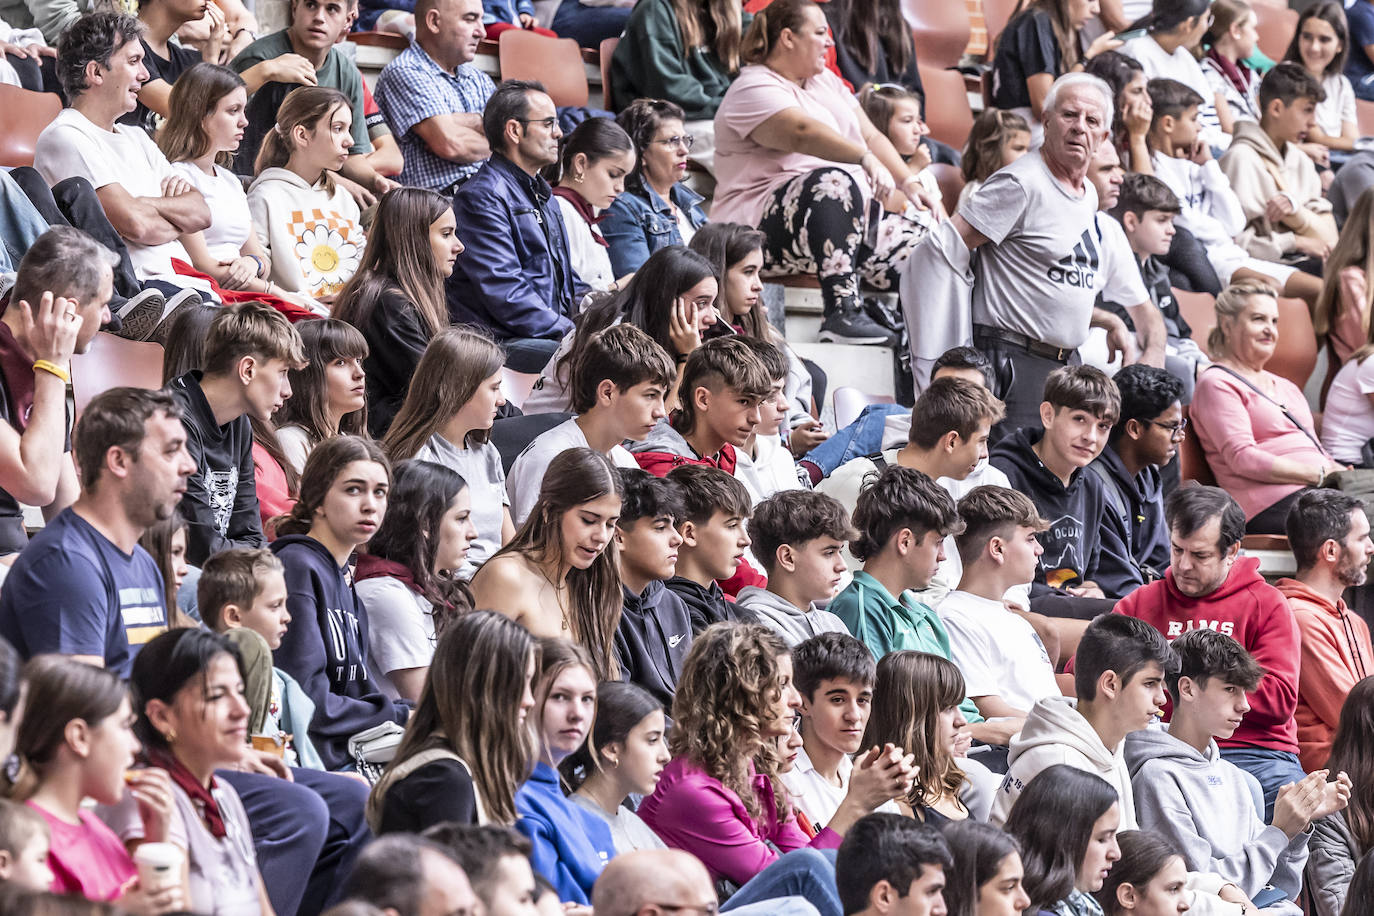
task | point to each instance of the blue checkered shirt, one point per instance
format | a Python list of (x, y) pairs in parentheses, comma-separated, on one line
[(413, 88)]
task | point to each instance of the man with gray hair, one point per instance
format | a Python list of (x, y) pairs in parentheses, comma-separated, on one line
[(1027, 299)]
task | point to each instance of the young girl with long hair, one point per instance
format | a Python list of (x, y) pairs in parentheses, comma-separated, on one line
[(396, 298), (624, 754), (407, 578), (166, 542), (311, 228), (1065, 821), (1347, 295), (896, 111), (1173, 31), (596, 157), (558, 575), (447, 417), (683, 51), (1134, 111), (188, 688), (203, 129), (1041, 42), (720, 798), (916, 707), (672, 298), (468, 747), (997, 139), (328, 395), (1151, 878), (1322, 45), (1340, 840), (342, 502), (873, 43), (79, 748), (987, 873), (571, 845), (1229, 41)]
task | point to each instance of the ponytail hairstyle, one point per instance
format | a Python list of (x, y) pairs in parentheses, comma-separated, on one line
[(169, 662), (1352, 750), (620, 707), (455, 364), (1053, 820), (1225, 14), (326, 462), (595, 138), (769, 24), (1232, 301), (60, 690), (305, 107), (725, 245), (324, 341), (595, 598), (641, 119), (978, 851)]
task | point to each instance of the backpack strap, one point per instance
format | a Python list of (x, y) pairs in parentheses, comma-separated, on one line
[(400, 771)]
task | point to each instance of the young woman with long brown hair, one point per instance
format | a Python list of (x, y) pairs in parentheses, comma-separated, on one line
[(1340, 840), (469, 745), (447, 417), (682, 51), (328, 396), (558, 574), (397, 296)]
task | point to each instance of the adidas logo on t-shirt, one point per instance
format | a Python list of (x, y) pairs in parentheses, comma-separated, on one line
[(1079, 267)]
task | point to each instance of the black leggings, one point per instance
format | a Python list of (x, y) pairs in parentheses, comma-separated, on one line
[(73, 202), (1274, 520)]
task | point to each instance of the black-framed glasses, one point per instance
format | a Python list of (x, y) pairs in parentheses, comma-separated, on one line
[(1176, 430), (546, 123), (685, 142)]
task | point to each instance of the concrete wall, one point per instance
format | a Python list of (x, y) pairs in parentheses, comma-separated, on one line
[(271, 15)]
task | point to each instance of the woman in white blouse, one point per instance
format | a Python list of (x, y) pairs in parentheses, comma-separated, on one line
[(597, 156)]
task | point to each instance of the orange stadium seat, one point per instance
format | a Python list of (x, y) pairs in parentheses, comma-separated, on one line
[(555, 62)]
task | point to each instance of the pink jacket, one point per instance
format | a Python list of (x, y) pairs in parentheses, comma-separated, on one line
[(694, 812), (1242, 433)]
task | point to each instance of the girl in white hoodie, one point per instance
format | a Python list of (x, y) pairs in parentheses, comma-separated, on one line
[(310, 228)]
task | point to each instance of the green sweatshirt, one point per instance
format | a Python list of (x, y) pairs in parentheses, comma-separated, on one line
[(885, 624), (650, 63)]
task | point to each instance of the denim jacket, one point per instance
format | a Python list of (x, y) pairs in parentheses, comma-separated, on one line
[(640, 223), (515, 275)]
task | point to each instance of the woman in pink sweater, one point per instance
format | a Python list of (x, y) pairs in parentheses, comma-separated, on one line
[(1255, 427)]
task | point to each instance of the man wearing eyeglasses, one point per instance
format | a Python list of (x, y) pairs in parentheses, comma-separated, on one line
[(515, 276), (1135, 538)]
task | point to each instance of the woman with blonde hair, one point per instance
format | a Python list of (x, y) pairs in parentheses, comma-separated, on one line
[(469, 745), (310, 227), (916, 707), (203, 129), (447, 417), (1255, 427), (396, 299), (558, 575)]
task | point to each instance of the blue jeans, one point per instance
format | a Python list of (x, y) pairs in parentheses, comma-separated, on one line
[(862, 437), (307, 834), (529, 354), (20, 223), (1364, 88), (1273, 769), (589, 25), (805, 873)]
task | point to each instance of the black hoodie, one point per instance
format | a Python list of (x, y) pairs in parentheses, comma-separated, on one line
[(1073, 542), (1135, 538), (652, 640), (705, 605), (325, 649), (221, 501)]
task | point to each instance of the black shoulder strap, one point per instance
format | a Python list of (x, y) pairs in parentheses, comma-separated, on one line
[(879, 462), (1286, 412), (1115, 498)]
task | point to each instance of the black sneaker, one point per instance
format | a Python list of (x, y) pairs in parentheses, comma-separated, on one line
[(139, 315), (849, 324), (187, 298)]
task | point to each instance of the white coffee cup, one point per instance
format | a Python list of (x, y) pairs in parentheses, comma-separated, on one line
[(159, 865)]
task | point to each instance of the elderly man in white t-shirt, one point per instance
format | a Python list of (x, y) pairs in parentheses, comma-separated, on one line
[(1032, 287)]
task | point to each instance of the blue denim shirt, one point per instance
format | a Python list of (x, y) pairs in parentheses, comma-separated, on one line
[(515, 275), (640, 223)]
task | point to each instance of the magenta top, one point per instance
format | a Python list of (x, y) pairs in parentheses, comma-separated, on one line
[(1242, 433), (87, 858), (694, 812)]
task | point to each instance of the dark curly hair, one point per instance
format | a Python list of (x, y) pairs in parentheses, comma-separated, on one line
[(1146, 392), (93, 37)]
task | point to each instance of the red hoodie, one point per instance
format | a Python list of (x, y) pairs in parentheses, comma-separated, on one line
[(1256, 615)]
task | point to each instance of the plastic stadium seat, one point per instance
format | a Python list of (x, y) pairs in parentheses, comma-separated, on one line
[(113, 362), (380, 40), (1364, 117), (940, 29), (1198, 310), (555, 62), (23, 115), (951, 183), (607, 51), (996, 14), (850, 402), (1277, 25), (1296, 354), (947, 109)]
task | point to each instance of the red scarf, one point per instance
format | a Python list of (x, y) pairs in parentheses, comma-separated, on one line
[(584, 210), (201, 797), (1236, 72)]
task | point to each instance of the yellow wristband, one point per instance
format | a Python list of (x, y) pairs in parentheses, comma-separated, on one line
[(43, 365)]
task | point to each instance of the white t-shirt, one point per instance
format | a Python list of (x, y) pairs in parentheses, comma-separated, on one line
[(1349, 419), (527, 474), (591, 259), (400, 631), (486, 479), (1119, 279), (1338, 106), (230, 221), (74, 147), (1038, 274), (295, 446), (1183, 67), (998, 652), (772, 471), (816, 796)]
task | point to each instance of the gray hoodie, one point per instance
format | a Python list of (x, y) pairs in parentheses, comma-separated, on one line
[(1203, 806), (791, 623), (1055, 732)]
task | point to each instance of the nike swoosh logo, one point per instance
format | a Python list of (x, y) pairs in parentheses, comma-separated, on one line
[(674, 640)]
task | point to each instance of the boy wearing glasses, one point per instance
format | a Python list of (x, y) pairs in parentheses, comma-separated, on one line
[(1146, 437)]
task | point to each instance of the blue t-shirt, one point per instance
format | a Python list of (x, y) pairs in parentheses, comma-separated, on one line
[(73, 592), (1360, 16)]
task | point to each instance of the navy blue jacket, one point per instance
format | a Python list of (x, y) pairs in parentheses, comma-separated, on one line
[(1134, 533), (640, 223), (325, 649), (652, 640), (514, 275)]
